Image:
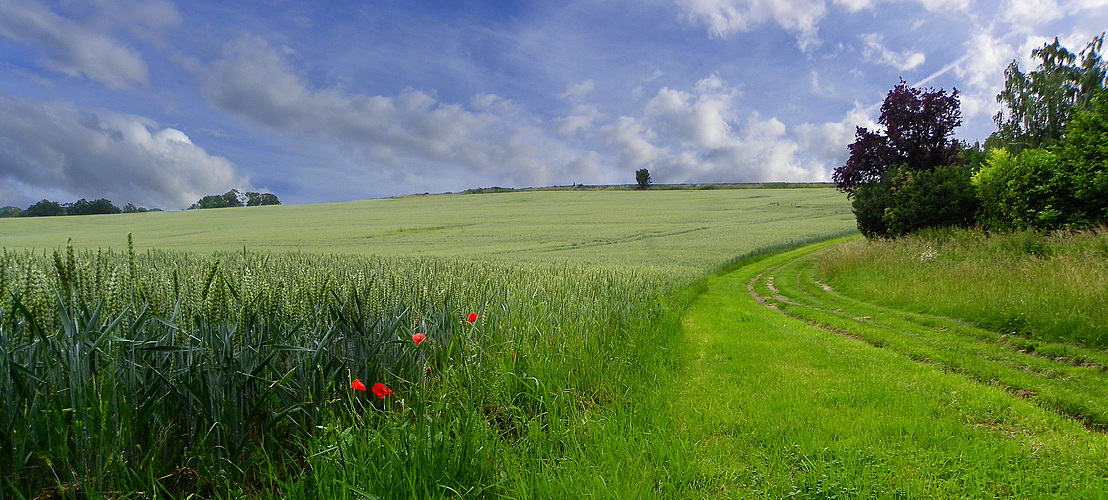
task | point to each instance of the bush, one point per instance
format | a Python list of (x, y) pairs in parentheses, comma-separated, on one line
[(869, 203), (909, 200), (1028, 190), (930, 198)]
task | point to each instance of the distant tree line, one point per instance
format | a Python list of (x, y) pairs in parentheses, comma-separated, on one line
[(47, 208), (234, 198), (1046, 167)]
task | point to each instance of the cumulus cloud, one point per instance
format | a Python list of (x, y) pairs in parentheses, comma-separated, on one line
[(875, 51), (700, 120), (633, 143), (983, 71), (52, 147), (88, 48), (698, 135)]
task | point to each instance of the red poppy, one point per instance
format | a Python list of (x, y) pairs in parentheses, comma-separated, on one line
[(472, 317), (381, 391), (357, 385), (418, 338)]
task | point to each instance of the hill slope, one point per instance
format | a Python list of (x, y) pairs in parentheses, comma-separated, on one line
[(690, 231)]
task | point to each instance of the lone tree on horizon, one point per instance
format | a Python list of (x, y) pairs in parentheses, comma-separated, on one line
[(642, 176)]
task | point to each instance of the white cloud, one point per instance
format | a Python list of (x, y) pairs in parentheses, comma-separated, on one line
[(696, 135), (578, 92), (1078, 5), (98, 154), (701, 120), (988, 57), (1031, 13), (583, 115), (723, 17), (146, 19), (983, 71), (825, 145), (875, 51), (856, 5), (633, 143), (938, 5)]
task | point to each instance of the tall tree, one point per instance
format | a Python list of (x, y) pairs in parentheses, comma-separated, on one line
[(642, 177), (1038, 104)]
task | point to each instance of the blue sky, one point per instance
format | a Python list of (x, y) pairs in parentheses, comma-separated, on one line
[(159, 102)]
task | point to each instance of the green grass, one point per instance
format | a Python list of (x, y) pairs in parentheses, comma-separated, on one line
[(779, 408), (220, 364), (604, 363), (689, 232)]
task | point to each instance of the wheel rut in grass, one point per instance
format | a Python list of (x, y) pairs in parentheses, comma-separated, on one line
[(1075, 386), (783, 405)]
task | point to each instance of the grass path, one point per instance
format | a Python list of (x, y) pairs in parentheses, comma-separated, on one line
[(775, 407)]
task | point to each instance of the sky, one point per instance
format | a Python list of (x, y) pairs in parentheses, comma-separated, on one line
[(160, 102)]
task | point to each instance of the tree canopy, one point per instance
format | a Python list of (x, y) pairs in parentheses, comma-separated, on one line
[(642, 177), (1039, 104), (919, 135), (234, 198)]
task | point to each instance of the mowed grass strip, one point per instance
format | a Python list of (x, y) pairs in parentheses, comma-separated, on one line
[(778, 408), (1075, 385)]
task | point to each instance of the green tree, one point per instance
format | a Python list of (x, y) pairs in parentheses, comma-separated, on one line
[(1046, 188), (234, 198), (642, 177), (1038, 104), (84, 207), (231, 198), (1084, 156)]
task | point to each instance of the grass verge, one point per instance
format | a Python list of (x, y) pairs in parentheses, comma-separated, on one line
[(775, 407)]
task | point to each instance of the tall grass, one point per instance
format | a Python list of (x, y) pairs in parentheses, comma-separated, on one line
[(230, 374), (1040, 287)]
